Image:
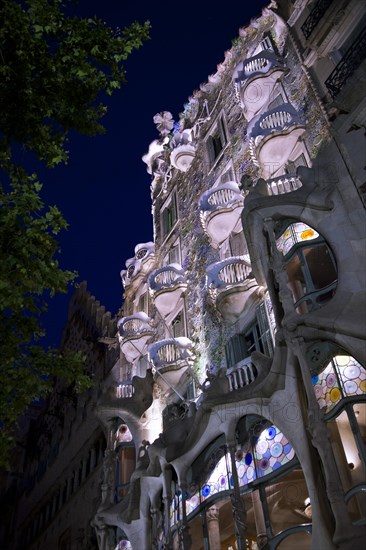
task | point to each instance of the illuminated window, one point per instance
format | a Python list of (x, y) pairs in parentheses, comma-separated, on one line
[(256, 337), (310, 266), (178, 325), (216, 141), (169, 216)]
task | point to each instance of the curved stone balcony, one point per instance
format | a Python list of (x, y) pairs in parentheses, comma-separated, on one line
[(166, 285), (273, 136), (283, 184), (231, 286), (170, 359), (242, 374), (254, 81), (140, 264), (182, 150), (134, 333), (125, 389), (220, 209)]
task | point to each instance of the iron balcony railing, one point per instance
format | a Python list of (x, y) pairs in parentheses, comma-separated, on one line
[(315, 16), (352, 59)]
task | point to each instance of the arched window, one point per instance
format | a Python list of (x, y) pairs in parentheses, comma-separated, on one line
[(342, 377), (272, 488), (340, 388), (309, 263)]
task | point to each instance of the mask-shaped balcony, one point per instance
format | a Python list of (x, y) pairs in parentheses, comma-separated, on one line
[(273, 136), (241, 375), (182, 150), (255, 79), (170, 359), (220, 211), (134, 333), (231, 286), (167, 285), (140, 264)]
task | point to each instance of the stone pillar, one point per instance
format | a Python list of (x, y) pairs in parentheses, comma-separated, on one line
[(213, 527), (259, 520), (238, 509), (167, 498), (206, 543), (109, 466), (184, 534), (344, 530)]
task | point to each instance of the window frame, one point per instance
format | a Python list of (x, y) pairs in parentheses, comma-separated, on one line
[(169, 216), (218, 133)]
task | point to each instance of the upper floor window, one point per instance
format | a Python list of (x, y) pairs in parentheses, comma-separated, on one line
[(178, 325), (256, 337), (216, 141), (169, 216), (310, 266), (234, 246), (292, 165), (173, 256), (266, 43), (144, 303), (276, 102)]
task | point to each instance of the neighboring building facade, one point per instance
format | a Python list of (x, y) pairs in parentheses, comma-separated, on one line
[(57, 488), (241, 380)]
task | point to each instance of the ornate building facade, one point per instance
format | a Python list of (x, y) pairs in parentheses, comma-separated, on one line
[(241, 380), (234, 416)]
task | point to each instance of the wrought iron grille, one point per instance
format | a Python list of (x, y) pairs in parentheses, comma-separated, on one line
[(315, 16), (350, 62)]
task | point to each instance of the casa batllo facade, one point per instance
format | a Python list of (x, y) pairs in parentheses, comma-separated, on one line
[(235, 415), (241, 380)]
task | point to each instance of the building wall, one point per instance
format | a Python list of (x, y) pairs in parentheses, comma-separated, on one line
[(59, 491), (241, 376)]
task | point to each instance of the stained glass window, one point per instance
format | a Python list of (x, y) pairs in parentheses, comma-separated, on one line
[(265, 452), (295, 233), (342, 377), (218, 470)]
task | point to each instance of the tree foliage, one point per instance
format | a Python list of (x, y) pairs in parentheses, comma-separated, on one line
[(54, 70)]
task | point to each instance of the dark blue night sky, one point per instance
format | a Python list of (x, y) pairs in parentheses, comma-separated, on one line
[(104, 191)]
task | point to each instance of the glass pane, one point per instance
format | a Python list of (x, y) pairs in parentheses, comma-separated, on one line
[(326, 388), (320, 264), (296, 279), (295, 233), (272, 451), (350, 467), (217, 480), (351, 374)]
